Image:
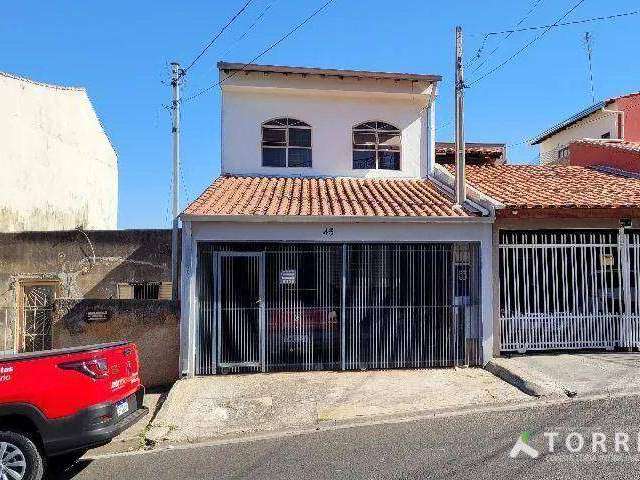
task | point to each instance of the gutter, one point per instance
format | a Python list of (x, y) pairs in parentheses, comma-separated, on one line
[(330, 219), (475, 198)]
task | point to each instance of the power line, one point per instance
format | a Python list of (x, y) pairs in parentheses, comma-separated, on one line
[(238, 13), (526, 46), (256, 21), (526, 15), (261, 54), (564, 24)]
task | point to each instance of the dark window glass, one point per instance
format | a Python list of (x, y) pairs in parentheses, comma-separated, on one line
[(364, 159), (606, 135), (382, 139), (388, 160), (274, 137), (293, 136), (299, 137), (385, 126), (389, 141), (278, 122), (364, 140), (274, 157), (146, 291), (299, 157), (296, 123)]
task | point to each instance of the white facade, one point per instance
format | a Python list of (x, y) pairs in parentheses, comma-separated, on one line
[(59, 168), (332, 106), (599, 124), (194, 232)]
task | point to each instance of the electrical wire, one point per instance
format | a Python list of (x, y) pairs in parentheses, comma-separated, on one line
[(526, 46), (256, 21), (526, 15), (563, 24), (261, 54), (237, 14)]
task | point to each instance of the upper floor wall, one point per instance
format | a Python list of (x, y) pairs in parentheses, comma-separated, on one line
[(331, 103)]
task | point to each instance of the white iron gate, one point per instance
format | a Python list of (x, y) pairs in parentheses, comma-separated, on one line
[(569, 289)]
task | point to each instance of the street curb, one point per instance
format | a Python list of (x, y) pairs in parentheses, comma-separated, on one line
[(523, 380), (258, 436)]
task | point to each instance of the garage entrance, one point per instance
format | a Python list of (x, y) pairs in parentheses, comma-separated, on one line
[(569, 289), (279, 306)]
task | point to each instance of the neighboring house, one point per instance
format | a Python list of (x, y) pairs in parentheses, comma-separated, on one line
[(69, 288), (611, 122), (475, 153), (615, 154), (327, 242), (567, 256), (59, 168)]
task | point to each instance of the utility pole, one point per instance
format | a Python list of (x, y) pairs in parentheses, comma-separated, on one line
[(176, 76), (461, 191), (587, 44)]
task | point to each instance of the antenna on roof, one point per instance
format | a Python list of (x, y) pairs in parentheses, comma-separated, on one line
[(587, 43)]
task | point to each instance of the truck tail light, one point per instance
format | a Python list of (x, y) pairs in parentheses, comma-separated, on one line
[(94, 368)]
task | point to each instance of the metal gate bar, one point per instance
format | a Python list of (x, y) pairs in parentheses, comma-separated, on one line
[(560, 290), (349, 306)]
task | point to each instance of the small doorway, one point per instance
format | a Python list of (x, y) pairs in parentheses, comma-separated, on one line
[(35, 308), (241, 310)]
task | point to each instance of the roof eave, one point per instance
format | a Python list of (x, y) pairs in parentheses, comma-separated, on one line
[(252, 67), (570, 121), (332, 219)]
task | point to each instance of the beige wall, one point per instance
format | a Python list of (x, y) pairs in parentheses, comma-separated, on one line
[(59, 170), (153, 325)]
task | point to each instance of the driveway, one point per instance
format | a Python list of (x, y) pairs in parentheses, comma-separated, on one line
[(236, 405), (578, 373)]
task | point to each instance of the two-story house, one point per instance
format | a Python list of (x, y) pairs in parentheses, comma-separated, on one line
[(604, 134), (331, 240)]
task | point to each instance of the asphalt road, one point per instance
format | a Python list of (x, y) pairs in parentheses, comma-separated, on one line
[(473, 445)]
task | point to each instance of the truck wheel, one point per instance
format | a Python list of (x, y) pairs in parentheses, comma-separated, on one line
[(20, 458)]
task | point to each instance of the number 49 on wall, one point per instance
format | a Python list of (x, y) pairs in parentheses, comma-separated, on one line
[(328, 232)]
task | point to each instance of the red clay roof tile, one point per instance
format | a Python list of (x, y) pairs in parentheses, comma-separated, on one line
[(553, 186), (266, 196)]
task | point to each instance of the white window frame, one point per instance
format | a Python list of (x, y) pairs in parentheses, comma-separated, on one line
[(376, 131), (286, 147)]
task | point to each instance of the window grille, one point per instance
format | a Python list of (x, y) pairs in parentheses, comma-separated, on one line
[(376, 145), (286, 142)]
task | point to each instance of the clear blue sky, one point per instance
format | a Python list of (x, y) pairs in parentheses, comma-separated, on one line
[(119, 50)]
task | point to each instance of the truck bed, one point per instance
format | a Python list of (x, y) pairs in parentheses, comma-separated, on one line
[(59, 351)]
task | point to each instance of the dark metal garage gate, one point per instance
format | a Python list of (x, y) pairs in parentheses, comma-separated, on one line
[(279, 306)]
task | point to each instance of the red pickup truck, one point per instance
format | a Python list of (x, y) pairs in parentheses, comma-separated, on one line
[(65, 401)]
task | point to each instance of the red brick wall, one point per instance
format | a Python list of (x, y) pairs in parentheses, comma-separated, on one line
[(586, 155)]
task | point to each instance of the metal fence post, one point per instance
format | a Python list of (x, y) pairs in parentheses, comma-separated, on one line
[(343, 308), (625, 282)]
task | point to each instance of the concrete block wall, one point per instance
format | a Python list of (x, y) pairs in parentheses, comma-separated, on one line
[(152, 324)]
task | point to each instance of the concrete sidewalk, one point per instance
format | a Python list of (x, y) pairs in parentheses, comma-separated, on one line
[(570, 374), (134, 438), (235, 405)]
